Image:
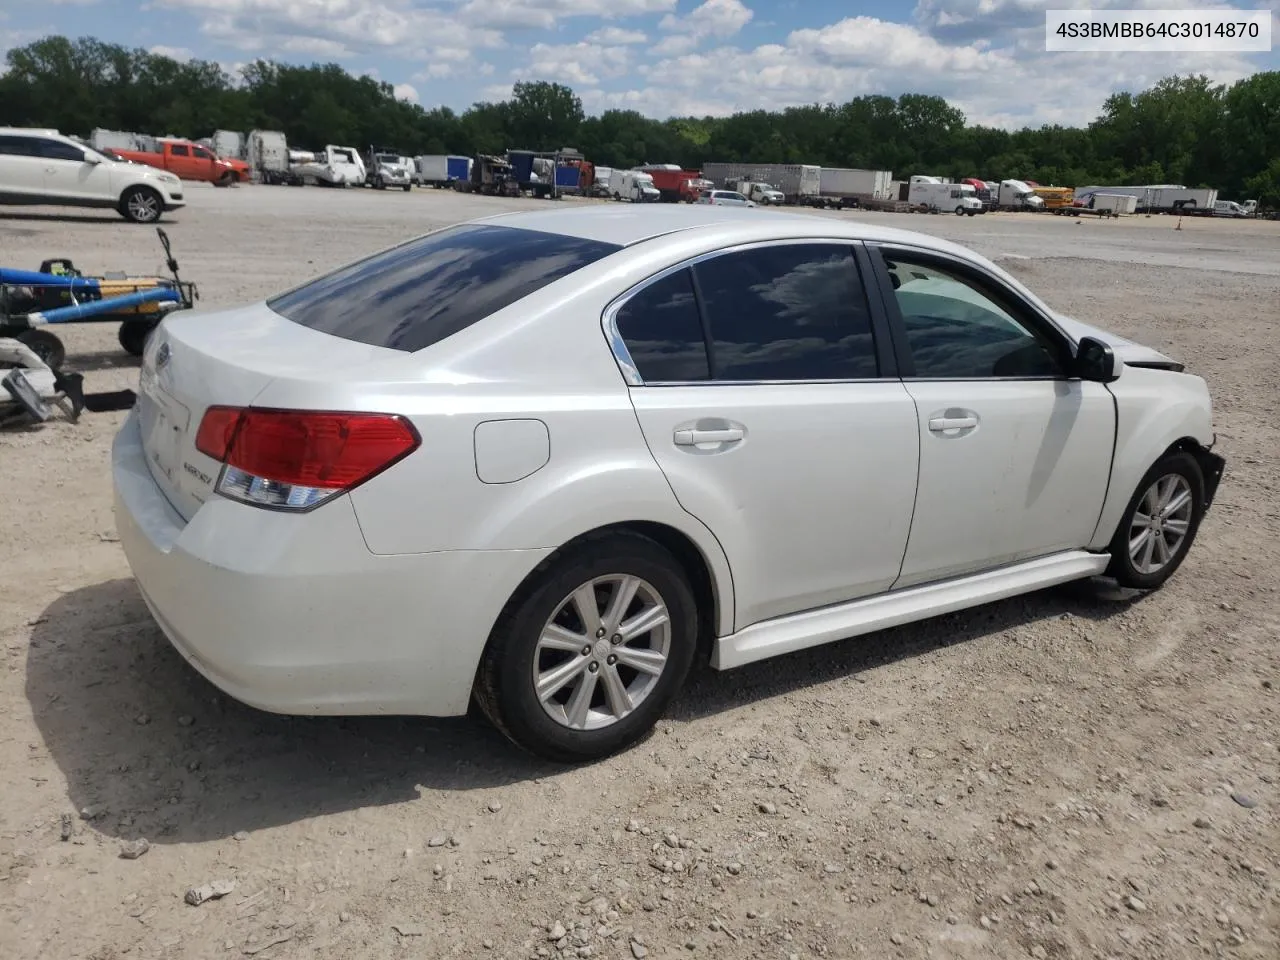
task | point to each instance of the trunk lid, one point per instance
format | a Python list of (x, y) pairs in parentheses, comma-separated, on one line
[(197, 360)]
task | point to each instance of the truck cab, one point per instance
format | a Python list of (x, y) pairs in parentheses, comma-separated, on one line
[(757, 191), (1228, 208), (385, 168), (1018, 195)]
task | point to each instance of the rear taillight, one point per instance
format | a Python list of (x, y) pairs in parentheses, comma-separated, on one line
[(297, 459)]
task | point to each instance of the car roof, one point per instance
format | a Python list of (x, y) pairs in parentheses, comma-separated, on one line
[(628, 224), (30, 131)]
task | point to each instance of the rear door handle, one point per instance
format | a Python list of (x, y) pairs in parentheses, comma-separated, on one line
[(687, 438), (939, 424)]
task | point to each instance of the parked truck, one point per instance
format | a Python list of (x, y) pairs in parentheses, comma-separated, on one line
[(441, 170), (1017, 195), (633, 185), (673, 183), (190, 161), (491, 176), (385, 168), (798, 182), (267, 154), (1163, 197), (960, 198), (600, 184), (765, 194)]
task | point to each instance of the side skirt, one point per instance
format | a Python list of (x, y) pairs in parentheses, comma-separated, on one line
[(813, 628)]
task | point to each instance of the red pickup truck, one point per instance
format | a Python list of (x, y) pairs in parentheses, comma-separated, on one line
[(190, 161)]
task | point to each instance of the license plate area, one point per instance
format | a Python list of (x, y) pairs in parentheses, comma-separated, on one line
[(165, 422)]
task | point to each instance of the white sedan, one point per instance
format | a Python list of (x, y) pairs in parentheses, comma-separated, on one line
[(546, 460)]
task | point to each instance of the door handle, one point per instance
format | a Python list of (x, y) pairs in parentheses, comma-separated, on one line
[(939, 424), (687, 438)]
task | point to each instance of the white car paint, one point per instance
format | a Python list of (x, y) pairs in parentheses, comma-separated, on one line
[(812, 524), (92, 180)]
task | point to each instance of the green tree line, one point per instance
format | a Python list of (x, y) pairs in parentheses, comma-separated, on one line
[(1183, 129)]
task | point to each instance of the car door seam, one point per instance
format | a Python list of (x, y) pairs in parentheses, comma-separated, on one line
[(915, 500), (1111, 467)]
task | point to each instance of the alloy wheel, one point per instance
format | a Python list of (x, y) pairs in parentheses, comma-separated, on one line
[(1160, 523), (602, 652), (144, 207)]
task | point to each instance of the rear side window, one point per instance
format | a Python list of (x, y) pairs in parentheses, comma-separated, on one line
[(663, 331), (788, 312), (11, 146), (179, 150), (417, 294)]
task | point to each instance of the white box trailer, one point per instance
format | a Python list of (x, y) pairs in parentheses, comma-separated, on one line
[(1182, 201), (441, 170), (851, 182), (102, 139), (795, 180)]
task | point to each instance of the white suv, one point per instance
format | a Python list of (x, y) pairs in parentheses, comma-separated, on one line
[(39, 167)]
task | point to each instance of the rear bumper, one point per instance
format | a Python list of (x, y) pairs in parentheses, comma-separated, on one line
[(293, 614)]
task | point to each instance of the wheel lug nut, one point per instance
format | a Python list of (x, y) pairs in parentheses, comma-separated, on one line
[(586, 651), (617, 638), (612, 660), (593, 667), (601, 632)]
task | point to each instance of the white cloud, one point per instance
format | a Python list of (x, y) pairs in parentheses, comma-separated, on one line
[(405, 91), (617, 36), (181, 54), (543, 14), (714, 18), (581, 64), (436, 71), (337, 28)]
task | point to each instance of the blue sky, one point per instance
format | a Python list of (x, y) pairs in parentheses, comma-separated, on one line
[(660, 56)]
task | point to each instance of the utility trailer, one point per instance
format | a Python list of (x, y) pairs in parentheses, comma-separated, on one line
[(1172, 198), (799, 183)]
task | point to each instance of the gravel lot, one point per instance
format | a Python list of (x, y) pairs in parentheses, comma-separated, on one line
[(1073, 774)]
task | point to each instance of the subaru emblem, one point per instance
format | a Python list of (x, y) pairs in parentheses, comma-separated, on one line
[(162, 356)]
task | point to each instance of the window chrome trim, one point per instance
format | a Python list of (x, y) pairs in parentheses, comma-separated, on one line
[(631, 373)]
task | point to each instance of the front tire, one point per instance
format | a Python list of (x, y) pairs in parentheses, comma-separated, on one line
[(585, 659), (1160, 523), (141, 205)]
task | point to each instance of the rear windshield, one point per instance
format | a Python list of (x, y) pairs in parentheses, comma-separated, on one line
[(419, 293)]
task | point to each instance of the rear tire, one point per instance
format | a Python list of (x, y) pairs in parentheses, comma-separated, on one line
[(1159, 524), (141, 205), (586, 717)]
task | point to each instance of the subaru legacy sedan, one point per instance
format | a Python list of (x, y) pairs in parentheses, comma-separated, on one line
[(545, 461)]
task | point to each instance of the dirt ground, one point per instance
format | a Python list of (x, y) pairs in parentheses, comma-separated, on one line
[(1073, 774)]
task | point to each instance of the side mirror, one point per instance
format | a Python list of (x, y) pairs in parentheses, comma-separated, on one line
[(1095, 361), (92, 158)]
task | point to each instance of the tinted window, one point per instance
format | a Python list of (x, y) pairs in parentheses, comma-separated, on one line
[(788, 312), (955, 330), (178, 150), (57, 150), (19, 147), (662, 330), (201, 153), (420, 292)]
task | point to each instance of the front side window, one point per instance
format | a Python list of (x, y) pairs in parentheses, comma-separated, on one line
[(179, 150), (419, 293), (957, 331), (787, 312), (663, 331), (57, 150), (201, 153)]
